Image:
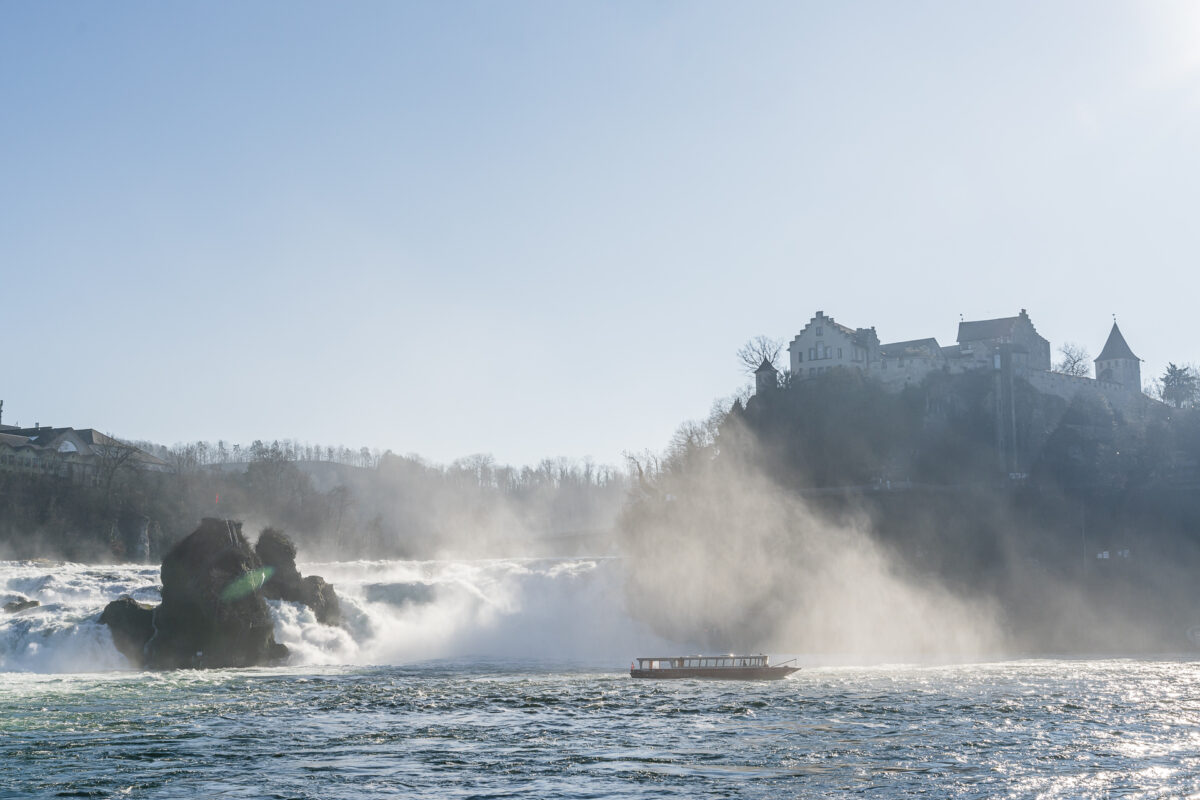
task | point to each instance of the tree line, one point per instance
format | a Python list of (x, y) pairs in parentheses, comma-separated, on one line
[(336, 501)]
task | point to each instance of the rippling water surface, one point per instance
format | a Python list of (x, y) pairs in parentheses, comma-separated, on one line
[(502, 729), (76, 722)]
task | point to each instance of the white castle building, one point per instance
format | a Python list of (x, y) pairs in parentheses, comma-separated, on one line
[(1006, 343)]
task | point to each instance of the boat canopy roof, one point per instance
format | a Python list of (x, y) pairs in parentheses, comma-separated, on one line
[(693, 662)]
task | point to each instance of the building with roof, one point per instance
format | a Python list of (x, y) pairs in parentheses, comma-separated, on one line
[(981, 341), (1011, 344), (83, 455), (824, 344), (901, 363), (766, 377), (1117, 363)]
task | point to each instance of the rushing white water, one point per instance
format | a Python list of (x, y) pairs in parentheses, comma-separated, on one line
[(394, 612), (515, 722)]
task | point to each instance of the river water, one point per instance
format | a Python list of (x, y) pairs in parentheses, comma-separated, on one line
[(447, 683)]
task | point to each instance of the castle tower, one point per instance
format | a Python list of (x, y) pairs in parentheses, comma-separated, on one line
[(1117, 363), (766, 378)]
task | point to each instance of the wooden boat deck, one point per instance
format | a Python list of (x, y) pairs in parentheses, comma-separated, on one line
[(728, 667)]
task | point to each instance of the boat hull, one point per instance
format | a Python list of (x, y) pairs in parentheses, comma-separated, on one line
[(716, 673)]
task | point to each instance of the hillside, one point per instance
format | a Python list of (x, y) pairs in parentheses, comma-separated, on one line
[(831, 498)]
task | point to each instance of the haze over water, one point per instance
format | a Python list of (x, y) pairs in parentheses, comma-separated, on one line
[(508, 677), (492, 234)]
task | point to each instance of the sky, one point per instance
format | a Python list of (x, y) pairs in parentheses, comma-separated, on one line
[(543, 229)]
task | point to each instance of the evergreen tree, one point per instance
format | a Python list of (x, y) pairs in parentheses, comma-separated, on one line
[(1179, 386)]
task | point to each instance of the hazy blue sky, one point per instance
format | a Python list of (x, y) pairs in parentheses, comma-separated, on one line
[(539, 229)]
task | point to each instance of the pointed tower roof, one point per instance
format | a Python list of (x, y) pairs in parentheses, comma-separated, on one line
[(1115, 347), (766, 366)]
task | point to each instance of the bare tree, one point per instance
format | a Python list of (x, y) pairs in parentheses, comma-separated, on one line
[(1076, 360), (182, 458), (112, 457), (643, 468), (753, 352)]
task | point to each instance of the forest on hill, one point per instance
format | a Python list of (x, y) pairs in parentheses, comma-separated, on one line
[(834, 499), (827, 512), (334, 502)]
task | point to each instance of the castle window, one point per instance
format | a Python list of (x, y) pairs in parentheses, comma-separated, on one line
[(820, 331), (839, 353), (812, 354), (799, 358)]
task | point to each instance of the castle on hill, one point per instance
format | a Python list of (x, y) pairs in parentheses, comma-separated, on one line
[(1008, 344)]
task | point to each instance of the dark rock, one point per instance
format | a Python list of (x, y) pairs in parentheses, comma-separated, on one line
[(22, 604), (322, 599), (132, 625), (278, 553), (212, 612)]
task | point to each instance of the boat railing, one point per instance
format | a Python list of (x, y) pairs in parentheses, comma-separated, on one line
[(701, 662)]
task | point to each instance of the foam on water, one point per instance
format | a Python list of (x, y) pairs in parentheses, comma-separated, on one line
[(1023, 729), (394, 612), (63, 634)]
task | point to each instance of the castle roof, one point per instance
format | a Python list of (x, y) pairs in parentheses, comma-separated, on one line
[(821, 319), (862, 337), (846, 329), (986, 329), (1115, 347), (913, 347), (983, 329), (765, 366)]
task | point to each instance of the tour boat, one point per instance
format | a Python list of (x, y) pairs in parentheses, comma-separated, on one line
[(730, 668)]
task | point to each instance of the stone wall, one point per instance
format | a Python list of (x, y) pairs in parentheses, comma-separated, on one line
[(896, 377), (1130, 402)]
